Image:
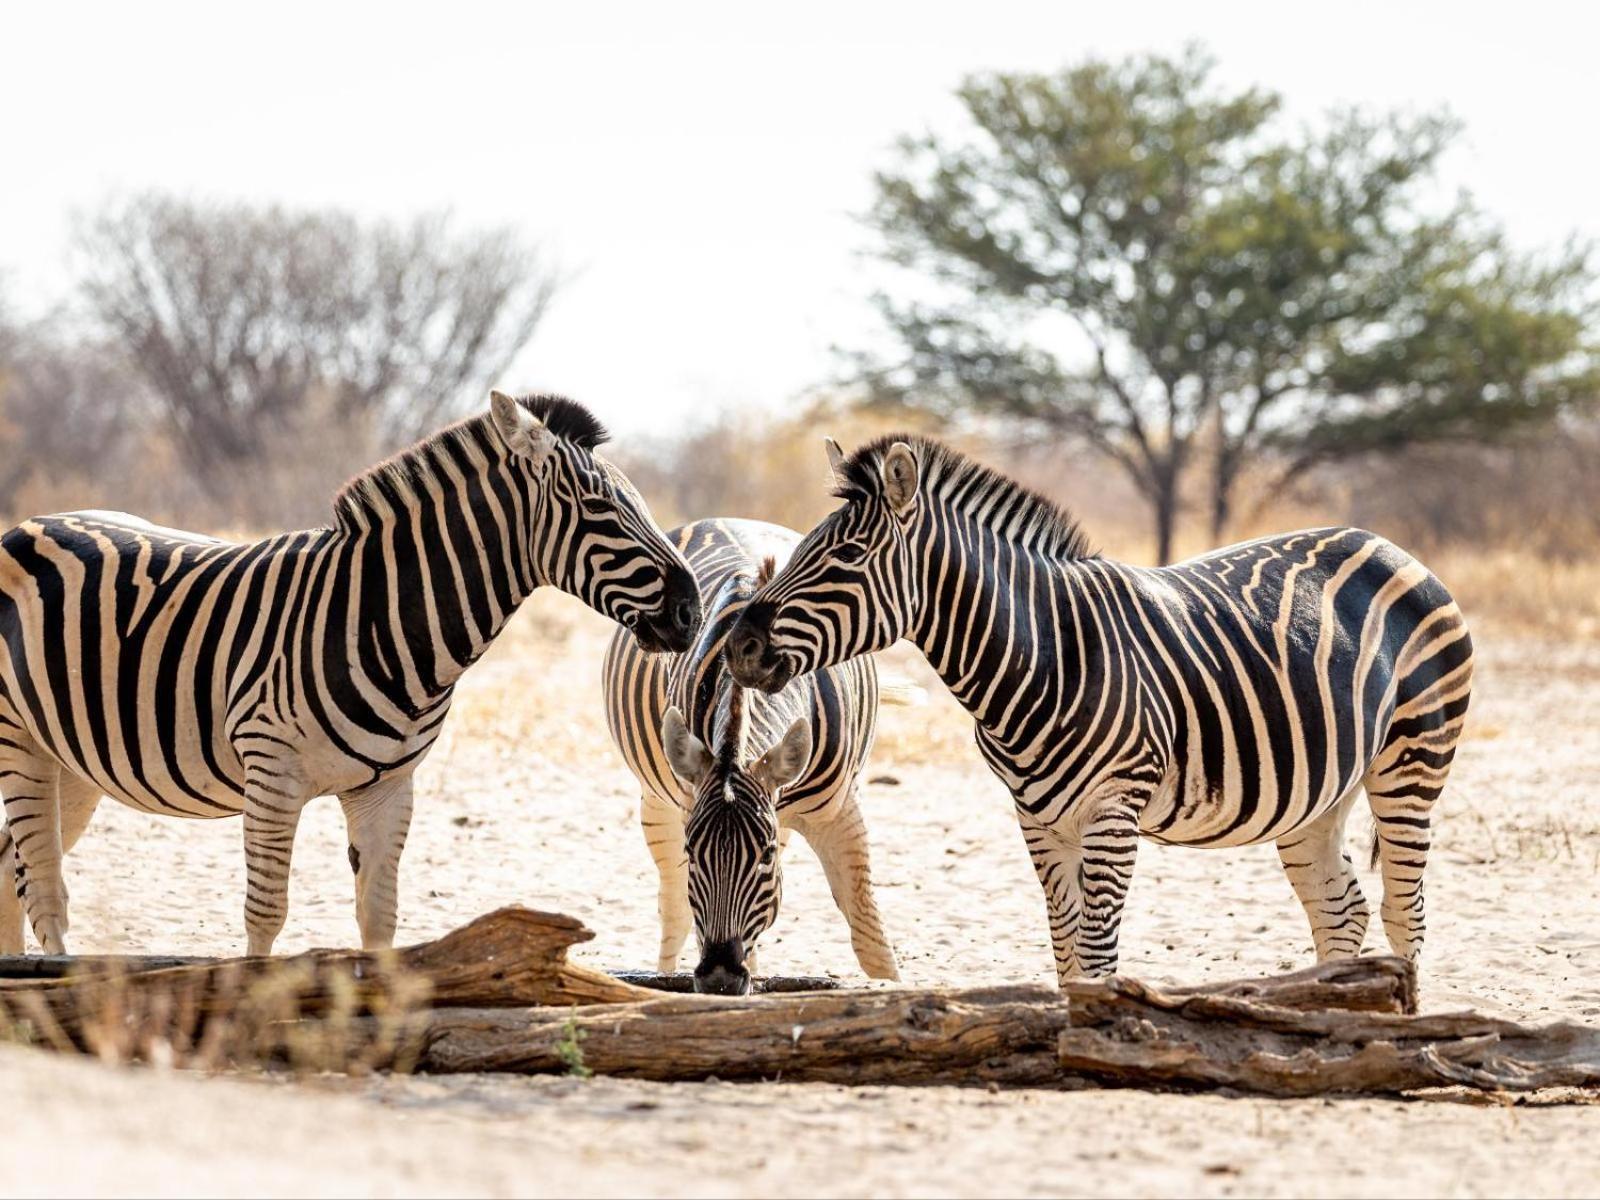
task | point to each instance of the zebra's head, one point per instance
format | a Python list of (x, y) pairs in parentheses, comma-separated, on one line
[(731, 838), (849, 587), (590, 533)]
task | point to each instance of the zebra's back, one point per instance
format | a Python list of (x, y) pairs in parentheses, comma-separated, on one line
[(1281, 668), (125, 646)]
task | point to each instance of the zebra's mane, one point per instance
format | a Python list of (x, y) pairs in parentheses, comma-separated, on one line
[(731, 745), (567, 419), (1030, 518)]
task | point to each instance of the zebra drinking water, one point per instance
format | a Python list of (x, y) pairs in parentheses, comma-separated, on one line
[(725, 777), (1244, 696), (192, 677)]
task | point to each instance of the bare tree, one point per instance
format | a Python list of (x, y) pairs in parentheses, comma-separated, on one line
[(66, 407), (251, 323)]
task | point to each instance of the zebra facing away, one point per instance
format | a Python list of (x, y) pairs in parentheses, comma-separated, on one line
[(192, 677), (725, 776), (1240, 697)]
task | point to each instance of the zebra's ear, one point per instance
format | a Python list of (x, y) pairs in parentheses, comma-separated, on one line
[(899, 476), (523, 432), (784, 763), (688, 754), (835, 459)]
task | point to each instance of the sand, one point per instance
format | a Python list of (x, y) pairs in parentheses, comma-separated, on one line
[(524, 801)]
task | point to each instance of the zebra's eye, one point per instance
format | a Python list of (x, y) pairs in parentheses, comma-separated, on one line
[(597, 506), (767, 855), (849, 552)]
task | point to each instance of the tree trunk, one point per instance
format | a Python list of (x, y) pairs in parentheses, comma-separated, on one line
[(1164, 502), (1221, 504)]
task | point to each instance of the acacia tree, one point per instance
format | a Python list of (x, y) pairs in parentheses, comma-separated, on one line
[(247, 322), (1123, 254)]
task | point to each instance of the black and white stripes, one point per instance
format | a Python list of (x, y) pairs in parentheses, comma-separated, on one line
[(1241, 697), (192, 677)]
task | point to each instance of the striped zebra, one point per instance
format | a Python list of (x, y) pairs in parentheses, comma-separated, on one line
[(1241, 697), (725, 777), (192, 677)]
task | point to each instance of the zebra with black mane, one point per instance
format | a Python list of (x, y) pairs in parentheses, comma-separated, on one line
[(726, 776), (191, 677), (1245, 696)]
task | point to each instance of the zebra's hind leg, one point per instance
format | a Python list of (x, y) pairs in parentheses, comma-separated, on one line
[(841, 844), (29, 781), (662, 822), (1323, 877), (10, 902), (377, 819), (1402, 786)]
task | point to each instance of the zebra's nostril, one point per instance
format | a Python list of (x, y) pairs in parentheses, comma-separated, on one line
[(685, 612), (750, 648)]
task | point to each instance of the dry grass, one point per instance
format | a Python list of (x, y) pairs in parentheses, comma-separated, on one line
[(300, 1015)]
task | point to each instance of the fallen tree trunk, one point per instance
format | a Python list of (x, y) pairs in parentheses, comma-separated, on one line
[(499, 995), (1007, 1035), (1346, 1026), (985, 1035)]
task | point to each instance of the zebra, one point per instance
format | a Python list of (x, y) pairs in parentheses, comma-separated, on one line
[(716, 817), (192, 677), (1240, 697)]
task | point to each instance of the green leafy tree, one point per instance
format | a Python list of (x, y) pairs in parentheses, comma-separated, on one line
[(1125, 254)]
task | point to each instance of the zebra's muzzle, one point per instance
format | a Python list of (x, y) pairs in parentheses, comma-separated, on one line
[(722, 971), (752, 661), (672, 626)]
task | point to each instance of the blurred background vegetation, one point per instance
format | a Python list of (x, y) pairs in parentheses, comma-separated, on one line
[(1143, 293)]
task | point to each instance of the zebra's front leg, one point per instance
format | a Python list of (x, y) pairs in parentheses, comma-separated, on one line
[(377, 819), (1085, 864), (1109, 841), (662, 822), (271, 816), (841, 844), (1055, 862), (29, 782)]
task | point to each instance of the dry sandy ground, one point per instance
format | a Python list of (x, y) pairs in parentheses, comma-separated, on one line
[(524, 801)]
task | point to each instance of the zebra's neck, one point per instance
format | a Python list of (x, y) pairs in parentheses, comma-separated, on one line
[(440, 556), (998, 620)]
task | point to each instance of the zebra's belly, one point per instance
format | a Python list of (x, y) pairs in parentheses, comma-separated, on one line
[(1215, 814)]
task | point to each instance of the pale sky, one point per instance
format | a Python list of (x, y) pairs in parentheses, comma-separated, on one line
[(697, 166)]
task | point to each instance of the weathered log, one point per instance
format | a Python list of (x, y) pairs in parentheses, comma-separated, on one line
[(1007, 1035), (514, 956), (894, 1036), (1126, 1033), (1266, 1035)]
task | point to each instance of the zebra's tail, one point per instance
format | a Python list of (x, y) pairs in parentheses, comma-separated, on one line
[(1372, 858), (900, 691)]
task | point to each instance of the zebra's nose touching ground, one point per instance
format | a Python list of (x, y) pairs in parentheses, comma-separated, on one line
[(722, 970)]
